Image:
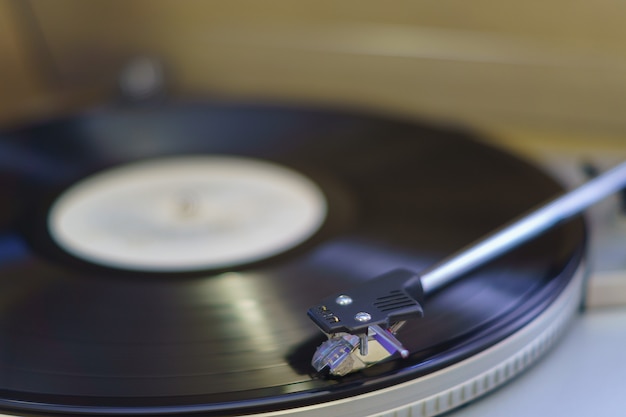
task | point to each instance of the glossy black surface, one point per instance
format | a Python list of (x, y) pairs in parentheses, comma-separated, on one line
[(401, 195)]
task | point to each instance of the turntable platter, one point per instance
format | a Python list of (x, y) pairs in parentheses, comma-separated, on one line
[(88, 334)]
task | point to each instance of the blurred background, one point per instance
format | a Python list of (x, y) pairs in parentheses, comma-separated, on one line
[(546, 79), (535, 76)]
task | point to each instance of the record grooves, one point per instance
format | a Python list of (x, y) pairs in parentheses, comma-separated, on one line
[(90, 336)]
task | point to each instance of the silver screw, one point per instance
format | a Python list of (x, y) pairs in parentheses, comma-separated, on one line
[(362, 317), (343, 300)]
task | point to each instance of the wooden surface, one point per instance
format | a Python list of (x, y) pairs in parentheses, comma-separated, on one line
[(19, 80), (555, 69)]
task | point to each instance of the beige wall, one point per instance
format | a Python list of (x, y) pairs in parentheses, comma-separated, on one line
[(30, 88), (19, 82), (556, 65)]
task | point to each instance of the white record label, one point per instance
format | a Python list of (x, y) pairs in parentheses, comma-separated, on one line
[(187, 213)]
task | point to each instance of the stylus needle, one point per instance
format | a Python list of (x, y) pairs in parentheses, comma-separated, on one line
[(361, 322)]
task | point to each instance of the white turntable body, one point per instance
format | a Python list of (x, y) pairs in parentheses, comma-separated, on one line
[(582, 376)]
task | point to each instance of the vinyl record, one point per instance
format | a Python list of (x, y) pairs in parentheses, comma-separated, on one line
[(161, 259)]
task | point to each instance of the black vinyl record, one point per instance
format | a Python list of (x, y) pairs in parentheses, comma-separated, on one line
[(84, 336)]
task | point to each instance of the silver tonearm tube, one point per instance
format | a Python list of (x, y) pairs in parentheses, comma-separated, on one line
[(523, 229), (359, 335)]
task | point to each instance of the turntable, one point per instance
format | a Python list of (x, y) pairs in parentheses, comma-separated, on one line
[(160, 259)]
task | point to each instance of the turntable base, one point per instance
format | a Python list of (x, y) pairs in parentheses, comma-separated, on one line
[(584, 374)]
